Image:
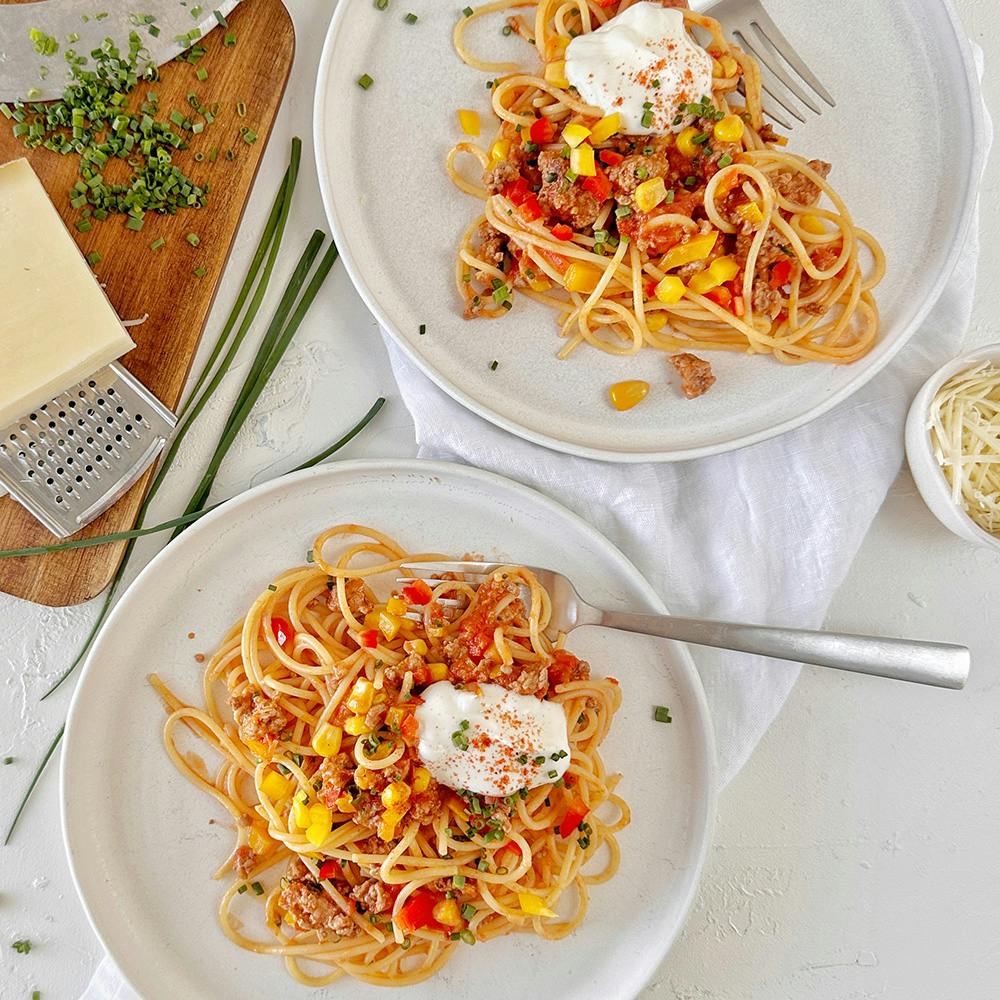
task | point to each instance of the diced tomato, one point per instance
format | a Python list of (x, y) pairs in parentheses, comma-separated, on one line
[(561, 669), (606, 3), (417, 592), (781, 273), (511, 848), (650, 289), (562, 231), (409, 727), (599, 185), (575, 815), (559, 262), (530, 208), (721, 296), (610, 157), (542, 131), (369, 638), (516, 192), (282, 632), (417, 912), (330, 868), (421, 675)]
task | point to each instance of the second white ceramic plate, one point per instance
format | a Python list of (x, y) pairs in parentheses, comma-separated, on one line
[(142, 841), (905, 140)]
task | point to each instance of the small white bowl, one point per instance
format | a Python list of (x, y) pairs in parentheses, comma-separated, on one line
[(926, 471)]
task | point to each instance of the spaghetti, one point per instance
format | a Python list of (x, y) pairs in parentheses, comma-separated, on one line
[(713, 238), (383, 870)]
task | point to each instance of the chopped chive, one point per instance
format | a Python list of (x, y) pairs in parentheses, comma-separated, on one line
[(258, 889), (134, 224), (506, 30), (22, 947), (158, 243), (725, 160), (271, 587), (242, 889), (93, 258), (468, 911), (365, 81), (411, 18), (220, 18), (467, 936), (230, 40), (241, 109), (381, 4), (83, 226), (423, 329), (662, 714), (201, 73), (467, 11), (494, 366), (199, 272), (193, 239), (8, 760), (458, 881)]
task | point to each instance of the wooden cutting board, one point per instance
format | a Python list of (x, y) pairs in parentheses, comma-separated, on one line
[(161, 283)]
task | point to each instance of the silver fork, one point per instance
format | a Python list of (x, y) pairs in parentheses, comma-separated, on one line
[(784, 72), (937, 663)]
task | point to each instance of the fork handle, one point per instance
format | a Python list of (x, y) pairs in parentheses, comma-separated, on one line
[(938, 663)]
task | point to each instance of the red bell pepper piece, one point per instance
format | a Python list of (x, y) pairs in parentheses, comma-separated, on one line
[(417, 912), (562, 231), (369, 638), (330, 868), (409, 727), (781, 273), (282, 632), (610, 157), (516, 192), (417, 592), (721, 296), (599, 185), (575, 815), (542, 131), (530, 208), (739, 306)]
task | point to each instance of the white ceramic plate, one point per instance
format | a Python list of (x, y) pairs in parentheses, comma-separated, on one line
[(139, 836), (905, 140)]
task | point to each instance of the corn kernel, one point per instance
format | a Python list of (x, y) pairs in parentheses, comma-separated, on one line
[(574, 133), (388, 823), (533, 906), (417, 646), (274, 786), (300, 813), (685, 143), (447, 912), (656, 321), (469, 120), (625, 395), (316, 833), (581, 161), (421, 779), (813, 224), (356, 726), (729, 129), (319, 813), (395, 606), (438, 671), (581, 278), (364, 778), (500, 150), (344, 804), (670, 290), (395, 795), (555, 73), (606, 127), (730, 67), (361, 696), (326, 741), (650, 193), (750, 212), (389, 624)]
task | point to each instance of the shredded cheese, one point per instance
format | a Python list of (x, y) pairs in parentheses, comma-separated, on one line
[(964, 426)]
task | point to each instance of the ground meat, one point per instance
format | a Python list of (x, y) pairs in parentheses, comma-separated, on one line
[(374, 896), (500, 175), (310, 907), (797, 187), (813, 309), (492, 248), (824, 258), (375, 715), (635, 170), (360, 599), (258, 717), (244, 860), (766, 300), (567, 202), (696, 375), (335, 774), (770, 252), (426, 805), (394, 672), (463, 894)]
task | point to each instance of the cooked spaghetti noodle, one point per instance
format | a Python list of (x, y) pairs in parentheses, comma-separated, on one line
[(792, 277), (390, 871)]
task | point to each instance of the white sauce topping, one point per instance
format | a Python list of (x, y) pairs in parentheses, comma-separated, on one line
[(616, 68), (509, 739)]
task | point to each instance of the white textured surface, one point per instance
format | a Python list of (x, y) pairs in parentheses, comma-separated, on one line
[(855, 856)]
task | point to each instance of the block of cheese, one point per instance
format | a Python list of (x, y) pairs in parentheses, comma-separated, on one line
[(56, 324)]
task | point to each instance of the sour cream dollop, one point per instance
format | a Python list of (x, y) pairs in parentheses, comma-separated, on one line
[(491, 741), (643, 56)]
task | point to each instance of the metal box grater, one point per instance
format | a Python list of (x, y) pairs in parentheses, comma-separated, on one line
[(70, 459)]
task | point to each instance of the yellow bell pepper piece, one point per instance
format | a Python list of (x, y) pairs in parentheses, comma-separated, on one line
[(274, 786), (750, 212), (581, 278), (685, 143), (729, 66), (500, 150), (326, 741), (421, 779), (606, 127), (356, 726), (417, 646), (361, 696), (319, 813), (395, 606), (721, 270), (258, 840), (625, 395), (697, 248), (813, 224), (438, 671), (575, 133), (300, 813), (532, 905), (372, 619), (670, 290), (345, 805), (389, 624), (395, 794), (581, 161), (469, 120), (555, 73), (447, 912), (650, 193), (316, 833), (729, 129)]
